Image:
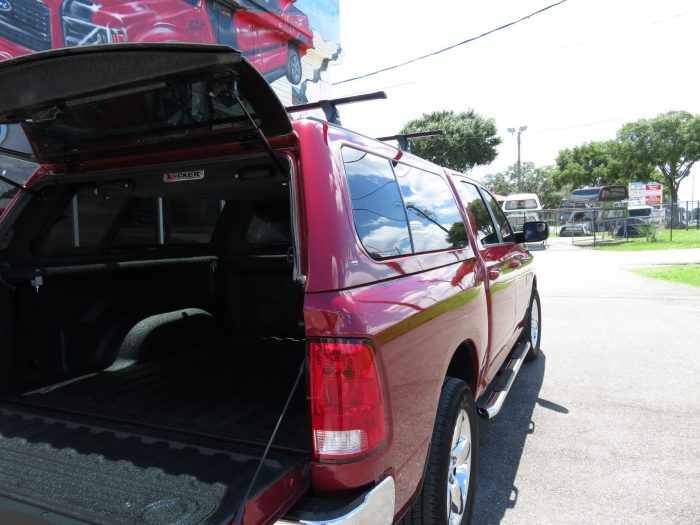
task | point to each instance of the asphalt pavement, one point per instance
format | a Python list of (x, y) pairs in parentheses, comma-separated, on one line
[(604, 428)]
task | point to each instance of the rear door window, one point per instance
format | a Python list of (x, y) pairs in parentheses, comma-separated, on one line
[(434, 218)]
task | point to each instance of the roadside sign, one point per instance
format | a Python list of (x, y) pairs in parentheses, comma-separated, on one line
[(653, 193), (645, 193)]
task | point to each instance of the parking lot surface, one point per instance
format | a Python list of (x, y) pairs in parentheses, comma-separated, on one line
[(605, 426)]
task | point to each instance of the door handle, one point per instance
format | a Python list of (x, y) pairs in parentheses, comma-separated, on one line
[(494, 273), (514, 263)]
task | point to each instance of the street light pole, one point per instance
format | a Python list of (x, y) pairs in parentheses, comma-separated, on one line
[(520, 132)]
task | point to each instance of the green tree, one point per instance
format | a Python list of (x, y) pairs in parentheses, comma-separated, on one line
[(597, 164), (670, 143), (469, 140), (537, 180)]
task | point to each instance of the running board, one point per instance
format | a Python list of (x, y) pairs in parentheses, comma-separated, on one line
[(502, 383)]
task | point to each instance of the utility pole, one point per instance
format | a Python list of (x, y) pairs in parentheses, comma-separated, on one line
[(520, 132)]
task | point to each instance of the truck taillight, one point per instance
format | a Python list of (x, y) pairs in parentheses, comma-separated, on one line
[(348, 414)]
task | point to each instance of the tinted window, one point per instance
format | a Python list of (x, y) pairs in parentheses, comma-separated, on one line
[(585, 193), (16, 170), (478, 214), (501, 221), (84, 223), (377, 207), (433, 215), (92, 222), (270, 224), (191, 220), (191, 109), (613, 193), (139, 226), (640, 212)]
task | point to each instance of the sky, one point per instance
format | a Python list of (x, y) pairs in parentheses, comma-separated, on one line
[(573, 74)]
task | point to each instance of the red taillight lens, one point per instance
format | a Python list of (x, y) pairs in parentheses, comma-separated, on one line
[(348, 415)]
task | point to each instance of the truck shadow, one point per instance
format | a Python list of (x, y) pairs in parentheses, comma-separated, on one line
[(501, 444)]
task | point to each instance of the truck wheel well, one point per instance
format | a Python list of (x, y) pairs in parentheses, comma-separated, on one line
[(462, 366)]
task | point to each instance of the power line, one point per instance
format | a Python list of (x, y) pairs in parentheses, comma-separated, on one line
[(434, 53)]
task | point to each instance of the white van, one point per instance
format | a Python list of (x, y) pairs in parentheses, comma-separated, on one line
[(645, 212), (521, 202), (521, 208)]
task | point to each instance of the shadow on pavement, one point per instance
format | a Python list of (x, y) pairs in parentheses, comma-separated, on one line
[(501, 444)]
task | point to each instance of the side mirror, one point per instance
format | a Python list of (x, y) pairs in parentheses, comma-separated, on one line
[(536, 231)]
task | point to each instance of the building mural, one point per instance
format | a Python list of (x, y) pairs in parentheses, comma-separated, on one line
[(291, 42)]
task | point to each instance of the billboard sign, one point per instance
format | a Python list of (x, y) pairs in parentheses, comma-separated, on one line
[(290, 42), (645, 193)]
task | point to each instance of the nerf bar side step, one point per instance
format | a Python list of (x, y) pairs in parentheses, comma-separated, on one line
[(503, 382)]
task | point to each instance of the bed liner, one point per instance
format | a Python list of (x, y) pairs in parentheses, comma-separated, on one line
[(73, 471)]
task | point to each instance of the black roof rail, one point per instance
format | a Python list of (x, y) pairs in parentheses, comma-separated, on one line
[(403, 138), (329, 106)]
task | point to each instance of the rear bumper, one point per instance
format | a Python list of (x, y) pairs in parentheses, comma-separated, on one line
[(375, 508)]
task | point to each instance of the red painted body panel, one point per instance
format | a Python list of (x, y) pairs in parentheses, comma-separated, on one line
[(402, 317), (157, 21), (9, 49)]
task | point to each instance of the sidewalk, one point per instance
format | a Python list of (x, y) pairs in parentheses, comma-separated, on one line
[(641, 258)]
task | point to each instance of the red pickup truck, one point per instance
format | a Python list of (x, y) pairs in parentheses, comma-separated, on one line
[(273, 34), (214, 314)]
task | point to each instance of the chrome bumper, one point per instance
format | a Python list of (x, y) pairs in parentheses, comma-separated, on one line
[(376, 508)]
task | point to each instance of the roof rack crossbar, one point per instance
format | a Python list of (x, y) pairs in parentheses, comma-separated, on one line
[(403, 138), (329, 107)]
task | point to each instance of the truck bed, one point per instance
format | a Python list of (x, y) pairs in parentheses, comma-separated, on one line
[(232, 390), (172, 439), (72, 471)]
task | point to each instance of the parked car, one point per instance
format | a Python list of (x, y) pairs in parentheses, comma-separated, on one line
[(273, 34), (521, 202), (579, 223), (647, 213), (583, 197), (633, 227), (214, 314), (521, 208)]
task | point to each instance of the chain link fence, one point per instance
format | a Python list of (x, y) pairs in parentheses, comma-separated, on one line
[(599, 225)]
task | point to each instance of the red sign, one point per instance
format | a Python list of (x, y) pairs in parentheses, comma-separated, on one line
[(653, 193)]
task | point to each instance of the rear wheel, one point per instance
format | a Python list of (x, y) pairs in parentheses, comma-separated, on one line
[(293, 65), (447, 496), (532, 332)]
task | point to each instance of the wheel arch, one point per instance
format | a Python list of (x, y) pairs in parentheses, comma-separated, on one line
[(464, 365)]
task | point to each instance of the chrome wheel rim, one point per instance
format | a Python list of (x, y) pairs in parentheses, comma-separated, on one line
[(460, 469), (534, 323)]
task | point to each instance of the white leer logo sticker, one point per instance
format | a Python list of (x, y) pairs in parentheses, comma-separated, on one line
[(181, 176)]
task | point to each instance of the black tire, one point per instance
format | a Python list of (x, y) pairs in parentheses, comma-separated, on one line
[(431, 505), (533, 334), (293, 65)]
